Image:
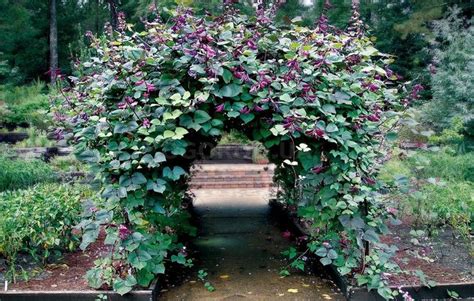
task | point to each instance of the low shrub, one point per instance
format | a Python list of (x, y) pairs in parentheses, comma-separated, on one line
[(394, 169), (444, 203), (39, 221), (234, 137), (17, 174), (443, 164), (67, 164), (36, 138), (434, 188), (24, 106)]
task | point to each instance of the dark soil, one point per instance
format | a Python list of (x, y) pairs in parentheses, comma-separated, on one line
[(67, 274), (443, 258)]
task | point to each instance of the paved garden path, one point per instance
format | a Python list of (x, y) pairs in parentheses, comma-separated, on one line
[(239, 246)]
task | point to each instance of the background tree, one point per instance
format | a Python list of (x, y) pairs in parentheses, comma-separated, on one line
[(53, 42)]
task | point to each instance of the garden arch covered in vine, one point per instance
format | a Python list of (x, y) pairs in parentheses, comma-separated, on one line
[(144, 102)]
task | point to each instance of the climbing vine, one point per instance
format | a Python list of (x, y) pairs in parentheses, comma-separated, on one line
[(146, 104)]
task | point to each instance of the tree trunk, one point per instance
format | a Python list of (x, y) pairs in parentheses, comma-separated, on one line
[(97, 13), (113, 13), (53, 42)]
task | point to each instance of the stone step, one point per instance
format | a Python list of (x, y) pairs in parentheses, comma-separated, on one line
[(226, 184), (232, 172), (210, 176), (231, 178)]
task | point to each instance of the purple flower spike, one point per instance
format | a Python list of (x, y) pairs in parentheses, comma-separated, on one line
[(318, 169), (150, 87), (369, 181), (316, 133), (220, 108), (251, 44), (146, 123), (244, 110), (124, 232)]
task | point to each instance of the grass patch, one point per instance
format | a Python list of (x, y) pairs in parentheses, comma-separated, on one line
[(25, 105), (17, 174), (434, 188)]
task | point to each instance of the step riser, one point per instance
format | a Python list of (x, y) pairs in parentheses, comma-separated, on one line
[(235, 179), (236, 176), (230, 185)]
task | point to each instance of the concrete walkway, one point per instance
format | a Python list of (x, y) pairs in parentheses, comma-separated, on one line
[(240, 248)]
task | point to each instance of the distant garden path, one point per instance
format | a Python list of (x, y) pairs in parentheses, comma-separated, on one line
[(240, 247)]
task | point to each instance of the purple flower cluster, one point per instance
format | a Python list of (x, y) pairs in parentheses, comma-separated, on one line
[(316, 133), (124, 232), (180, 20), (129, 102), (319, 169), (264, 80), (372, 87), (307, 92), (146, 123), (240, 73), (220, 108), (291, 123)]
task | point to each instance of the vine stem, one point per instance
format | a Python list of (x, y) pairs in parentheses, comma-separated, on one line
[(297, 258)]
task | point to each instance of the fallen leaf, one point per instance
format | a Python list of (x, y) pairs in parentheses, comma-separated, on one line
[(326, 297), (305, 285), (224, 276), (293, 290), (281, 295)]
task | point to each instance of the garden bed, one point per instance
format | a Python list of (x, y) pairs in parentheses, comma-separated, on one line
[(65, 280), (446, 263)]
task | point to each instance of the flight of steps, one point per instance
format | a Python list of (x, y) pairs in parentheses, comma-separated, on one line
[(223, 175)]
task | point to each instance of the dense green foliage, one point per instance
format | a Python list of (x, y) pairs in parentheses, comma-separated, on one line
[(38, 221), (434, 188), (320, 93), (17, 174), (24, 106), (452, 80)]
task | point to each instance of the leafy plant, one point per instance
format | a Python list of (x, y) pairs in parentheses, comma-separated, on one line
[(234, 137), (434, 187), (67, 163), (18, 174), (38, 221), (259, 153), (145, 102), (202, 275), (453, 294), (24, 106), (36, 138)]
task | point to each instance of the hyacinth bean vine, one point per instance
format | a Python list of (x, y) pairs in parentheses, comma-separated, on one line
[(147, 104)]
